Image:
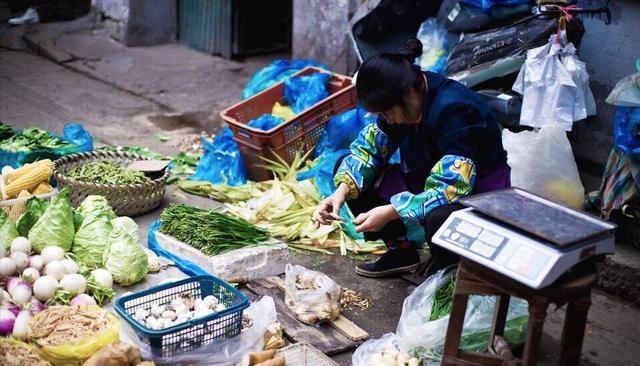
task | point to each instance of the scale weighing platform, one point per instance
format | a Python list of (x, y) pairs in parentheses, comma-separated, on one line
[(523, 236)]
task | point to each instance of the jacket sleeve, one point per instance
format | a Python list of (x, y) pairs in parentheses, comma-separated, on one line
[(371, 150), (451, 178)]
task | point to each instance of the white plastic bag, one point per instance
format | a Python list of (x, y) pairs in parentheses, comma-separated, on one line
[(312, 296), (435, 49), (424, 339), (555, 87), (362, 355), (543, 163), (626, 92), (225, 352)]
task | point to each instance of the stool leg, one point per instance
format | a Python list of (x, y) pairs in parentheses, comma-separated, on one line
[(454, 329), (537, 315), (499, 317), (573, 331)]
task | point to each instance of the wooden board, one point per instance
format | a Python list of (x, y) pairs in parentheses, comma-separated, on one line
[(342, 324), (325, 338)]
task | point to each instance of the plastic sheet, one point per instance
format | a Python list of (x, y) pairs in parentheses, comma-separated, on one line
[(265, 122), (277, 71), (543, 163), (221, 161), (304, 91), (434, 38), (226, 352), (72, 132), (626, 131)]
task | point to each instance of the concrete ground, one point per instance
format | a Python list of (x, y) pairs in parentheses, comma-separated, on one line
[(60, 72)]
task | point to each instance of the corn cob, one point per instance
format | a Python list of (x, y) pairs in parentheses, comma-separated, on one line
[(42, 188), (18, 173), (30, 179)]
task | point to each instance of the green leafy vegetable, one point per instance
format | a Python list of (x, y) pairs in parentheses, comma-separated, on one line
[(125, 258), (35, 209), (5, 131), (55, 226), (32, 139), (209, 231), (8, 231), (443, 300), (107, 172), (92, 238)]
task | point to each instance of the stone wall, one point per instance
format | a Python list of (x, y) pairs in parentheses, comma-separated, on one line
[(320, 32)]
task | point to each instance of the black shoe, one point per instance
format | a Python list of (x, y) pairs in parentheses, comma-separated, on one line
[(394, 261)]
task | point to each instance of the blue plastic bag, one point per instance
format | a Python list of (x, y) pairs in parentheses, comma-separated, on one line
[(73, 133), (265, 122), (304, 91), (277, 71), (221, 161), (626, 130), (342, 130), (436, 49), (486, 5)]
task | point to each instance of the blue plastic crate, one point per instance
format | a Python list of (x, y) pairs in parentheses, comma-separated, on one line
[(194, 333)]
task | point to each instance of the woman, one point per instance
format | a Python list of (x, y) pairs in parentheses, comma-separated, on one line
[(450, 146)]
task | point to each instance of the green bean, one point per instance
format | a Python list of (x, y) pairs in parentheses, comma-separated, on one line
[(107, 172), (209, 231), (443, 300)]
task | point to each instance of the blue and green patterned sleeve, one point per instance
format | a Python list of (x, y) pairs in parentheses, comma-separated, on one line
[(369, 152), (451, 178)]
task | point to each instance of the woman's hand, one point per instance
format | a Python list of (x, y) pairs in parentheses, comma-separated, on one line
[(375, 219), (331, 205)]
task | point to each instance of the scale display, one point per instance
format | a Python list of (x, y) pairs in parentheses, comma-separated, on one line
[(507, 231), (554, 223)]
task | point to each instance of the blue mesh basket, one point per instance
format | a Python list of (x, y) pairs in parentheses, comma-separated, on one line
[(194, 333)]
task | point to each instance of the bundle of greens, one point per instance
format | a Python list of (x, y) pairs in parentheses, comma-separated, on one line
[(209, 231), (107, 172), (5, 131), (33, 139)]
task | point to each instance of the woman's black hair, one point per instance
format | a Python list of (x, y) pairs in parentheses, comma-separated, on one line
[(385, 79)]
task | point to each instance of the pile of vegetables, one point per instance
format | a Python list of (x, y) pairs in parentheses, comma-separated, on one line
[(284, 206), (33, 139), (16, 353), (5, 131), (209, 231), (58, 325), (27, 181), (391, 357), (181, 309), (107, 172)]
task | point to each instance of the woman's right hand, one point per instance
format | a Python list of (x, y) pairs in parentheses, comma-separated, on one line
[(331, 205)]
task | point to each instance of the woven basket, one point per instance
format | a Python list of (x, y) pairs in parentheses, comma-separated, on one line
[(125, 199), (303, 354)]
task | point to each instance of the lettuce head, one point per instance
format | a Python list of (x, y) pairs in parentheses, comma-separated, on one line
[(8, 231), (55, 226), (92, 238), (125, 258), (35, 209)]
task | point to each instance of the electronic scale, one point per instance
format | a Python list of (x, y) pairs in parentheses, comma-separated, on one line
[(523, 236)]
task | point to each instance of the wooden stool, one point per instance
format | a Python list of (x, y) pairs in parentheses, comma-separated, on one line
[(573, 289)]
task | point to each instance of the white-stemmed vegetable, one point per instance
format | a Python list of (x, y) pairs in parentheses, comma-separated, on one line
[(37, 262), (21, 244), (20, 259), (52, 253), (74, 283), (7, 319), (30, 275), (103, 277), (83, 299), (21, 323), (7, 267), (12, 282), (21, 294), (45, 288), (54, 269), (70, 266), (35, 305)]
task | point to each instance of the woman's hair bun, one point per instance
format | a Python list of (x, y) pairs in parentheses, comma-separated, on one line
[(411, 49)]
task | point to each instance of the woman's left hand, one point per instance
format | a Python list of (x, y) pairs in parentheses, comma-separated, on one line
[(375, 219)]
